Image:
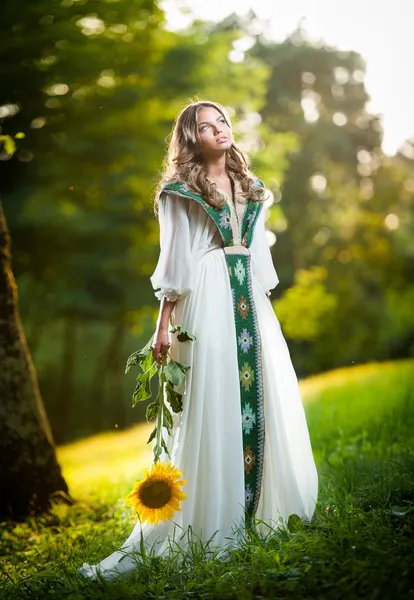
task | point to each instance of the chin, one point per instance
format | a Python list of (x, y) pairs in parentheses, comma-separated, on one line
[(225, 146)]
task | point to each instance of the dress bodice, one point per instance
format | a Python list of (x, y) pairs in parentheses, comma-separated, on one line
[(237, 207), (235, 221)]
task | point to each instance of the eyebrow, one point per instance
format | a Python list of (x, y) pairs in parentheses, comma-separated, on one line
[(207, 123)]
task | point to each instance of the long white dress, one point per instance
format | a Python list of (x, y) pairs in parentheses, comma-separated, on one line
[(207, 441)]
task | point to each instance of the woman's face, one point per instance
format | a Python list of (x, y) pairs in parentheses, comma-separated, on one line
[(215, 134)]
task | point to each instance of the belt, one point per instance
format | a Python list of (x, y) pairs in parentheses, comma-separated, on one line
[(237, 249)]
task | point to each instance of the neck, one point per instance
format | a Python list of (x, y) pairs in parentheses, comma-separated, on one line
[(216, 166)]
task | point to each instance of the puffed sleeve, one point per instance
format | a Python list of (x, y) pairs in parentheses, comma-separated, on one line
[(262, 262), (173, 273)]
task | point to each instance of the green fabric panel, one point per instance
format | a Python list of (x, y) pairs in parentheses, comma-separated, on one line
[(250, 377)]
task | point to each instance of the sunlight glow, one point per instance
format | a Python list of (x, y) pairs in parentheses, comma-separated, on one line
[(367, 188), (381, 32), (409, 185), (8, 110), (91, 25), (339, 119), (38, 123), (392, 221), (271, 237), (322, 236), (310, 111), (318, 183)]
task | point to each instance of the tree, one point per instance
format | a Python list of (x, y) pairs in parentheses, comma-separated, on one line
[(29, 470), (96, 95)]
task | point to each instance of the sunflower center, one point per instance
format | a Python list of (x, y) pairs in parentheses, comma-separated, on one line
[(155, 494)]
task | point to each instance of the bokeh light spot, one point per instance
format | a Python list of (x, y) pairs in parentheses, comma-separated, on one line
[(391, 221)]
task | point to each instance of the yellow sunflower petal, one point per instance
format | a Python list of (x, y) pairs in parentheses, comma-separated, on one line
[(148, 493)]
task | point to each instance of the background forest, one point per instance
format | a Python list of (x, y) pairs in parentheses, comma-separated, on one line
[(95, 87)]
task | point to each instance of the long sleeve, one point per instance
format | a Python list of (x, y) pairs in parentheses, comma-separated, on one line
[(173, 273), (262, 262)]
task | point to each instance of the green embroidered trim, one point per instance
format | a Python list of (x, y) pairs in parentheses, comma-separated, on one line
[(251, 214), (249, 221), (222, 216), (250, 376)]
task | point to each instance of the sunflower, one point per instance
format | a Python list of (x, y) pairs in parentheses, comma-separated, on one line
[(157, 497)]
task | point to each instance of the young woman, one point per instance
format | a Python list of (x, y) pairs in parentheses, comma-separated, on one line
[(241, 441)]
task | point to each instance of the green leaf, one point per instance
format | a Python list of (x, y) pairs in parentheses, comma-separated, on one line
[(139, 356), (148, 362), (153, 434), (142, 389), (151, 412), (294, 523), (164, 445), (183, 334), (157, 452), (167, 419), (400, 511), (175, 372), (45, 573), (174, 398)]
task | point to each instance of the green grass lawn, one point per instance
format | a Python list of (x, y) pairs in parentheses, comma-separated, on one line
[(360, 543)]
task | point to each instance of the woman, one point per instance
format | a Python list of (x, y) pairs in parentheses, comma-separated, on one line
[(241, 442)]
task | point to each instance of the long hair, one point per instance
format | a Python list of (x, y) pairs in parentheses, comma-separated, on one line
[(184, 161)]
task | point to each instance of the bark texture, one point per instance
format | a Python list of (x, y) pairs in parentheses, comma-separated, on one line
[(29, 470)]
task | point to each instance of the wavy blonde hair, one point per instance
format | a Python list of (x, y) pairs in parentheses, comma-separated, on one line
[(184, 160)]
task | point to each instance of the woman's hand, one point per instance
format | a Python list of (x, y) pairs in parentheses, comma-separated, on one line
[(160, 344)]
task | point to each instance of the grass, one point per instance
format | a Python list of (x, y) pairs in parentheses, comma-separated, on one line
[(360, 543)]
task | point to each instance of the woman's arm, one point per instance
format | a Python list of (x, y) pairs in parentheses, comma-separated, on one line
[(161, 339), (173, 273)]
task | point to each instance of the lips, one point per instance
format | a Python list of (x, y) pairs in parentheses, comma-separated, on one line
[(222, 138)]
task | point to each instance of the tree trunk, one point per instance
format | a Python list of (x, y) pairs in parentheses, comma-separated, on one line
[(29, 471)]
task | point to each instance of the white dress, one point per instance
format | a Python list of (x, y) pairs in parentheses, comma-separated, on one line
[(207, 441)]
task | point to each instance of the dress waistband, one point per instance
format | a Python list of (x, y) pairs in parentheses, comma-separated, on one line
[(237, 249)]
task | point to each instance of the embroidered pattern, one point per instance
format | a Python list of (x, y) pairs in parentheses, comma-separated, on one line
[(215, 213), (249, 459), (246, 376), (240, 271), (245, 340), (250, 376), (248, 495), (243, 307), (248, 418), (225, 220)]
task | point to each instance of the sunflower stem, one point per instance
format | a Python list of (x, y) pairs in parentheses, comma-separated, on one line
[(160, 400)]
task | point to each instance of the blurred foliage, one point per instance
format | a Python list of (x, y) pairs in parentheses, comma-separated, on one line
[(95, 87), (306, 308)]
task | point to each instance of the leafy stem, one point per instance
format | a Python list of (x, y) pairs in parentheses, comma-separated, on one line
[(171, 378)]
